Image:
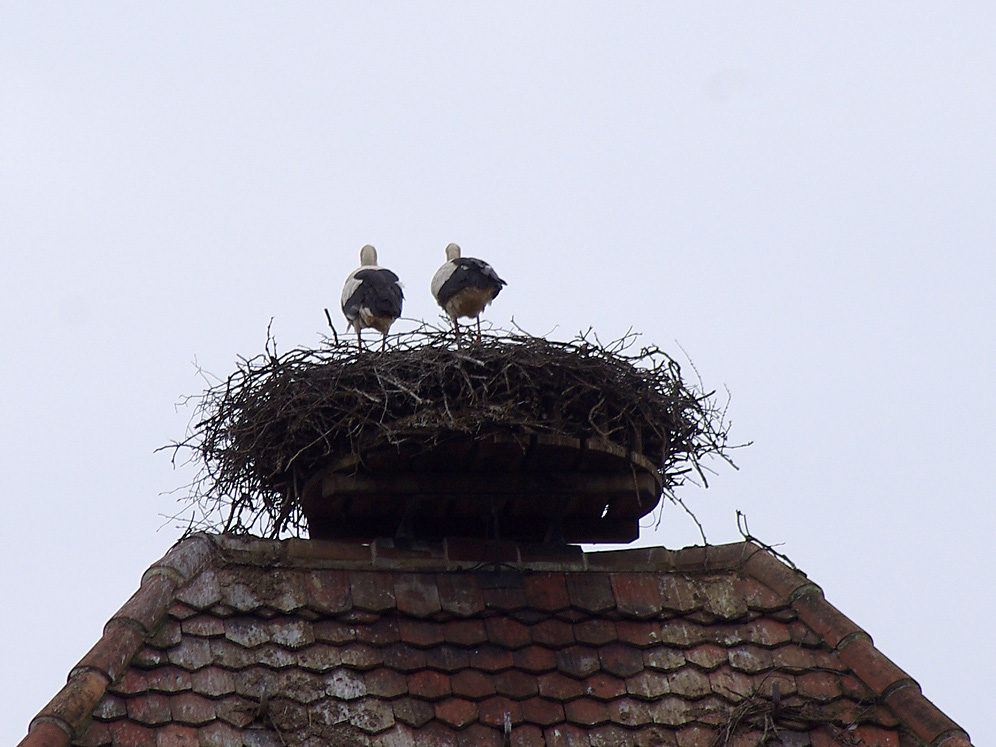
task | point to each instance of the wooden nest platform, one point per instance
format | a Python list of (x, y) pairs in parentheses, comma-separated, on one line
[(535, 488), (510, 435)]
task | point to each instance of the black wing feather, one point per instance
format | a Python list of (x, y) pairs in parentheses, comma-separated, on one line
[(379, 291), (470, 273)]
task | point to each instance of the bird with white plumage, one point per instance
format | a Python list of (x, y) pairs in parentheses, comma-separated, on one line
[(464, 286), (372, 296)]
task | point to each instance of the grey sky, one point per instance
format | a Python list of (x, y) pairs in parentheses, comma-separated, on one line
[(801, 195)]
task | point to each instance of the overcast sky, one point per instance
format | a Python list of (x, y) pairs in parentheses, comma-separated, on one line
[(800, 195)]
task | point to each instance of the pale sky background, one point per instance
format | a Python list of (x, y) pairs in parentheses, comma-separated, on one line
[(801, 195)]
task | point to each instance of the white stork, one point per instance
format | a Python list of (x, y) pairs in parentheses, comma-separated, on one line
[(463, 286), (371, 296)]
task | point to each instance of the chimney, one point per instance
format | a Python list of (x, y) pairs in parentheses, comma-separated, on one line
[(525, 488)]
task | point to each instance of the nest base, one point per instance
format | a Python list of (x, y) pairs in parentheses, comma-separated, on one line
[(537, 489)]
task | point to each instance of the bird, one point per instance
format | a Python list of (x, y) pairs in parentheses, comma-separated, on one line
[(372, 296), (463, 286)]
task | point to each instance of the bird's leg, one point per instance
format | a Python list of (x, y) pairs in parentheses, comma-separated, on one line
[(456, 326), (478, 329), (359, 339), (383, 342)]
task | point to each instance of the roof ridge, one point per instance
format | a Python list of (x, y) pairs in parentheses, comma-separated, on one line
[(122, 636), (855, 647), (456, 553)]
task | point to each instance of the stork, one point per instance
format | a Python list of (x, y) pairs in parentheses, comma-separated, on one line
[(463, 286), (371, 296)]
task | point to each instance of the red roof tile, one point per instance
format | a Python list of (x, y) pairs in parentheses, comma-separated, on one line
[(546, 592), (239, 641), (554, 634), (456, 712)]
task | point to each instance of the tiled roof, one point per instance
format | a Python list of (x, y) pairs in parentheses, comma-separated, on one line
[(233, 641)]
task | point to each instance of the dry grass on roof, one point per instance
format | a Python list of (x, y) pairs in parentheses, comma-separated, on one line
[(258, 434)]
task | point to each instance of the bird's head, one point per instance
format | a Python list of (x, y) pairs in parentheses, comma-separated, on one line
[(368, 255), (452, 252)]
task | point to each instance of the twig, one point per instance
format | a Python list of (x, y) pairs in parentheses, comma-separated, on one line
[(745, 533), (332, 326)]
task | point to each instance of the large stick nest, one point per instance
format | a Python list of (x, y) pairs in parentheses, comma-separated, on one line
[(278, 418)]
